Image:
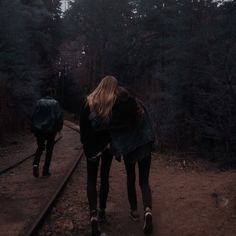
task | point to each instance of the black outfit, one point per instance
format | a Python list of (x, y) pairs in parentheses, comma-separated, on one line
[(144, 169), (131, 126), (95, 142), (92, 172), (47, 120), (41, 140), (132, 136)]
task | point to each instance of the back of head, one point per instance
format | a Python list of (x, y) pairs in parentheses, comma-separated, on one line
[(102, 99), (48, 92), (123, 93)]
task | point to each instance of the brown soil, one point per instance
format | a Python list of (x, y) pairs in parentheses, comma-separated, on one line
[(14, 149), (189, 198), (22, 196)]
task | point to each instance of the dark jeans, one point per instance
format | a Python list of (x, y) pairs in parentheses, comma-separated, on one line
[(49, 140), (144, 169), (92, 172)]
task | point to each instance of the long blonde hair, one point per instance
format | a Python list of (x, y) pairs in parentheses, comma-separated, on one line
[(102, 99)]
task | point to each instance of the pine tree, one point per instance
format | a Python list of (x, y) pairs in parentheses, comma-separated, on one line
[(27, 55)]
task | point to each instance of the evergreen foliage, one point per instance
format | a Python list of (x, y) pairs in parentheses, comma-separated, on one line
[(178, 55), (25, 44)]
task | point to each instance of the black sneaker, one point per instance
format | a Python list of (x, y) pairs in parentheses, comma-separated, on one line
[(102, 216), (94, 225), (36, 171), (147, 227)]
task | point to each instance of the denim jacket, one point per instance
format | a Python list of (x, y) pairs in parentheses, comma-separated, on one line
[(126, 136), (126, 140)]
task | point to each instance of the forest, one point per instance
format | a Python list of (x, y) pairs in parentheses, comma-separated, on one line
[(178, 56)]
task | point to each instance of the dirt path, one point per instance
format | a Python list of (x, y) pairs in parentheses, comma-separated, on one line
[(23, 196), (188, 200)]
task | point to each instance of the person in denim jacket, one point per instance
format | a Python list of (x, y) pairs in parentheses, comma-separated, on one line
[(131, 137)]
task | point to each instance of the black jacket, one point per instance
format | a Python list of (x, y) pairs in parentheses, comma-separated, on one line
[(47, 117), (94, 141)]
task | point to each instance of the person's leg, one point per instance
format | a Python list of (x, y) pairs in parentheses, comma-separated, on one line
[(38, 154), (40, 149), (144, 169), (130, 172), (92, 171), (49, 150), (104, 187)]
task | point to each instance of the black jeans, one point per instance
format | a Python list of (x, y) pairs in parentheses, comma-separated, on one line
[(92, 172), (41, 140), (144, 169)]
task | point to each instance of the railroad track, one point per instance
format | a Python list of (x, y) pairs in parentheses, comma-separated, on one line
[(16, 164), (74, 127), (37, 220), (33, 229)]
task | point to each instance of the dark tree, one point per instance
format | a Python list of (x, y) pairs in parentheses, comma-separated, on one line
[(178, 55), (27, 53)]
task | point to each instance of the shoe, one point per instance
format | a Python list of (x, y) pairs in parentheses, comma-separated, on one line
[(94, 225), (147, 226), (102, 216), (36, 171), (134, 215)]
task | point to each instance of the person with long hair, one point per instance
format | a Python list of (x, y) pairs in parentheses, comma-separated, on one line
[(95, 142), (132, 136), (111, 115)]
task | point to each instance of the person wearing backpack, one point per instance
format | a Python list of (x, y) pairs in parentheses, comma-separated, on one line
[(47, 120), (95, 137), (132, 137), (126, 125)]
